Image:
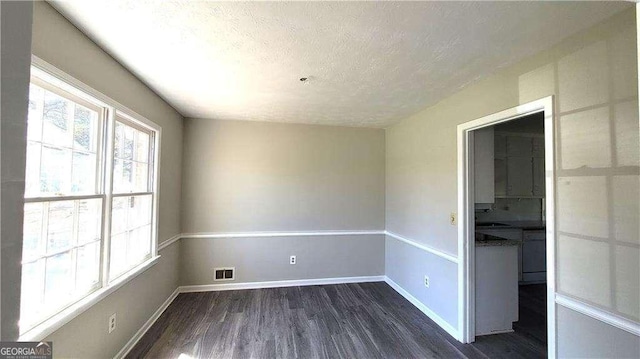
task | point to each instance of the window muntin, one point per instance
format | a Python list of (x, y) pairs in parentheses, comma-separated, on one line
[(68, 199)]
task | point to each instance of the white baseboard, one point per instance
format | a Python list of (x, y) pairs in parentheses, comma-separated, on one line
[(278, 284), (424, 309), (142, 331)]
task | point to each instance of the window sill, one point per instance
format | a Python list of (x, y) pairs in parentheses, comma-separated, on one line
[(54, 323)]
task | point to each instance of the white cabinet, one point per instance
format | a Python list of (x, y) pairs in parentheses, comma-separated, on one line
[(500, 180), (534, 256), (538, 177), (496, 287), (518, 146), (519, 166), (483, 155), (519, 177), (538, 147)]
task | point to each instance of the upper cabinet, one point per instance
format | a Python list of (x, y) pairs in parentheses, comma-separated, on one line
[(483, 154), (519, 146), (519, 166), (537, 150)]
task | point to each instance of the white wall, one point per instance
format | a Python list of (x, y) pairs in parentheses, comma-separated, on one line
[(242, 176), (58, 42), (15, 22), (593, 76)]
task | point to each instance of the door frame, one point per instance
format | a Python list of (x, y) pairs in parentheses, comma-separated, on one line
[(466, 222)]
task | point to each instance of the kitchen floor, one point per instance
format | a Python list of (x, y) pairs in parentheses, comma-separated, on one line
[(530, 337)]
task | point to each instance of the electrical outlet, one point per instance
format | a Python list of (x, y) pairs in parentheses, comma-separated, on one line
[(453, 218), (426, 281), (292, 260), (112, 323)]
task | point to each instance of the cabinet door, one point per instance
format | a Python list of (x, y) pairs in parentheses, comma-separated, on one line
[(500, 179), (538, 177), (500, 145), (538, 147), (534, 256), (519, 176), (483, 165), (519, 146)]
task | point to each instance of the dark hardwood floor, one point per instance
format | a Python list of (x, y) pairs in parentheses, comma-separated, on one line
[(365, 320)]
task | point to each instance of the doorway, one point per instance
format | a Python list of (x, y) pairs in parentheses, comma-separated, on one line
[(467, 187)]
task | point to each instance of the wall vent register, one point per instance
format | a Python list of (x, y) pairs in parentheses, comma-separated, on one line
[(224, 274)]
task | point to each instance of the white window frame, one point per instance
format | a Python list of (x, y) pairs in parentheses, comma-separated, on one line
[(77, 89)]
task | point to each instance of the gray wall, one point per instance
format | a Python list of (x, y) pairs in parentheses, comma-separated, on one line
[(16, 56), (242, 176), (593, 76), (58, 42), (259, 259), (407, 265), (580, 336)]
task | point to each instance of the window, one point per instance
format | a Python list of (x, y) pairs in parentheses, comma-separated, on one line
[(89, 214)]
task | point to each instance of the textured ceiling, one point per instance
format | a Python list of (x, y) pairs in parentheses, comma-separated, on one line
[(370, 63)]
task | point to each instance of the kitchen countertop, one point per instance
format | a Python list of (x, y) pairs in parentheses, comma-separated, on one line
[(497, 242), (493, 235), (529, 225)]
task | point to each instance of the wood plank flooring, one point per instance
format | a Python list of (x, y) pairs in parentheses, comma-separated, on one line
[(529, 339), (365, 320)]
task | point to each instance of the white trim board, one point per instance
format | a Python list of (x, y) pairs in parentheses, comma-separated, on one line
[(439, 253), (278, 284), (424, 309), (599, 314), (146, 326), (279, 234), (169, 241), (466, 233)]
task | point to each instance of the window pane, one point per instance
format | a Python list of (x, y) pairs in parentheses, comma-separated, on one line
[(118, 259), (139, 211), (142, 177), (32, 245), (119, 215), (32, 296), (89, 220), (32, 177), (142, 147), (131, 160), (131, 232), (57, 124), (84, 173), (139, 245), (127, 144), (34, 123), (123, 176), (85, 129), (60, 230), (61, 125), (117, 140), (58, 281), (55, 172), (87, 267)]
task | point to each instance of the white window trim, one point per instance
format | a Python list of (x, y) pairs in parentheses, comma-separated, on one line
[(81, 90)]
